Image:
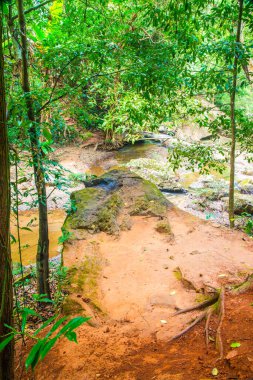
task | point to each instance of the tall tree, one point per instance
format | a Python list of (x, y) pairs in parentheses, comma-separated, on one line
[(6, 356), (39, 175), (232, 118)]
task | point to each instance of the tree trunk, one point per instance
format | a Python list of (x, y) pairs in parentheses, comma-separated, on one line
[(233, 122), (6, 296), (43, 243)]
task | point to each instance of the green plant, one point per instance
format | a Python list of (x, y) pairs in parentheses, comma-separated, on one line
[(72, 207), (248, 223), (249, 227), (65, 236), (43, 345)]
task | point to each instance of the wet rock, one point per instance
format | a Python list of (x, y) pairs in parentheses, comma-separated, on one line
[(243, 204), (246, 186), (171, 186), (107, 203), (158, 172)]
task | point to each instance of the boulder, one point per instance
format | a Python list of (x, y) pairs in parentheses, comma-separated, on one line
[(243, 204), (158, 172), (246, 186), (111, 199)]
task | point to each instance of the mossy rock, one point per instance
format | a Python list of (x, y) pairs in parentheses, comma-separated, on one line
[(246, 186), (150, 202), (95, 211), (97, 207), (211, 194)]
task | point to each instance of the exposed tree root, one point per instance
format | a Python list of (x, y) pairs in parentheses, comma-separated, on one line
[(219, 342), (187, 284), (200, 306), (208, 318), (194, 323), (244, 286), (216, 303)]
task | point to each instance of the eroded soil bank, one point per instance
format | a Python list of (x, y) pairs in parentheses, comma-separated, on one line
[(131, 277)]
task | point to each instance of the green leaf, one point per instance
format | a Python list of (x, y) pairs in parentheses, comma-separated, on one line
[(55, 326), (13, 239), (73, 324), (6, 341), (215, 372), (48, 346), (71, 335), (25, 313), (45, 324), (47, 134), (26, 229), (41, 298), (34, 354), (235, 344)]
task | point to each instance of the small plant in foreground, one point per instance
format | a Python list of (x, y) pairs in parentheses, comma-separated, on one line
[(43, 345)]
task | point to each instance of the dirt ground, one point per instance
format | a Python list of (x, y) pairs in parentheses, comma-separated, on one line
[(136, 293), (112, 355)]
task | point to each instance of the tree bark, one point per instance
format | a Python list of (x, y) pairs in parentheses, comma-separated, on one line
[(233, 121), (39, 176), (6, 296)]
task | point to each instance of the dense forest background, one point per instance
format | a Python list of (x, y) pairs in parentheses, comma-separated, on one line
[(124, 68)]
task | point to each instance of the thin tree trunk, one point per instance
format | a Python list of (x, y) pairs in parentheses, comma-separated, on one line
[(6, 296), (233, 122), (43, 243)]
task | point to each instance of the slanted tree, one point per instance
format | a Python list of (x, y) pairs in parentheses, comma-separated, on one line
[(7, 355), (39, 174)]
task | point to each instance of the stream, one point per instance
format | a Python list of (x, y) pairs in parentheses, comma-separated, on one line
[(75, 159)]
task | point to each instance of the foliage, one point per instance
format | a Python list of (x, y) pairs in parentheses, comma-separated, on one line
[(42, 346)]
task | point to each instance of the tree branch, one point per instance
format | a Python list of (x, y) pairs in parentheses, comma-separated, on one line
[(32, 9), (51, 99)]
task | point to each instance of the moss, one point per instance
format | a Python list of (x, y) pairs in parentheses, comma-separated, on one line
[(95, 211), (153, 193), (163, 227), (86, 136), (107, 216), (186, 283), (140, 205), (71, 307), (83, 279)]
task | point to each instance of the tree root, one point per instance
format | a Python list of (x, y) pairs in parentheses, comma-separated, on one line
[(216, 303), (219, 342), (194, 323), (208, 318), (244, 286), (200, 306)]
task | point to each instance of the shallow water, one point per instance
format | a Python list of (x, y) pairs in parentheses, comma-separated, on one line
[(142, 149), (29, 239), (147, 149)]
